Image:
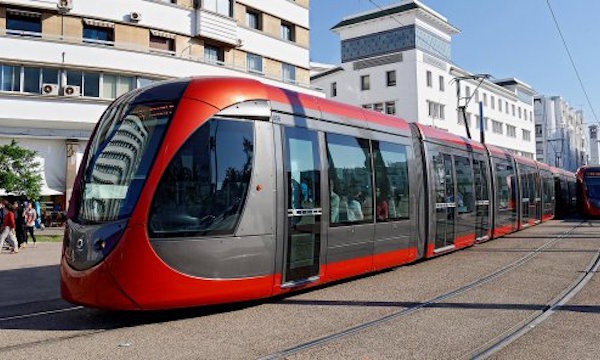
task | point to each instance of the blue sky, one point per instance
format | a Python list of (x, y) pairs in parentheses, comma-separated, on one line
[(506, 38)]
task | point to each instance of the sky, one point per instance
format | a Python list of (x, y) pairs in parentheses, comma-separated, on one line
[(505, 38)]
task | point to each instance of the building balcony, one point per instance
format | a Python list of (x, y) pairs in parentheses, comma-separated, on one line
[(119, 57), (216, 26)]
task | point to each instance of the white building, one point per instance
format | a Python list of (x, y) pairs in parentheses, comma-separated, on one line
[(63, 61), (559, 133), (397, 60), (594, 158)]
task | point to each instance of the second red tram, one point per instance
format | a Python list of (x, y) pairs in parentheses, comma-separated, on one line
[(216, 190), (588, 182)]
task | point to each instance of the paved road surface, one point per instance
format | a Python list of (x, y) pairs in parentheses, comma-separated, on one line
[(36, 324)]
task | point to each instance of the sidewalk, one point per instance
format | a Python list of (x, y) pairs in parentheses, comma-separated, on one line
[(51, 231)]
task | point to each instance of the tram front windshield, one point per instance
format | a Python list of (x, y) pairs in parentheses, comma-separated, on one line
[(592, 184), (122, 151)]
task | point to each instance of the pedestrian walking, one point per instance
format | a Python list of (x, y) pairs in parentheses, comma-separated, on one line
[(19, 214), (30, 217), (9, 229)]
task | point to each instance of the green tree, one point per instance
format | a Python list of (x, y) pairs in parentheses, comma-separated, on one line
[(19, 171)]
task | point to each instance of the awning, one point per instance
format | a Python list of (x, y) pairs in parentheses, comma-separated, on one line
[(26, 13), (162, 34), (52, 157), (99, 23)]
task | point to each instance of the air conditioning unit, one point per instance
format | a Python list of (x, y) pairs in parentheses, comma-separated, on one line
[(135, 16), (72, 90), (65, 5), (49, 89)]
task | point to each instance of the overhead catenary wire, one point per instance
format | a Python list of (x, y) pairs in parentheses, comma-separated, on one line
[(587, 97)]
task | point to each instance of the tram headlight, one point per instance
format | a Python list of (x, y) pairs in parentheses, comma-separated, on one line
[(87, 245)]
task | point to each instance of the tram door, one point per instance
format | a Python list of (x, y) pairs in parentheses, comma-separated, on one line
[(482, 199), (303, 198), (445, 204)]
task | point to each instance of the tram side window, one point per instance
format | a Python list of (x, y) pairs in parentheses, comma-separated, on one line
[(481, 188), (203, 190), (391, 181), (548, 189), (505, 186), (350, 188), (464, 181)]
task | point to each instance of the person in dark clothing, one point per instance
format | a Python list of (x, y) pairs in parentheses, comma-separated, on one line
[(20, 223)]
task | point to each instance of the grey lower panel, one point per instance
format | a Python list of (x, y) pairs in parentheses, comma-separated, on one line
[(219, 257), (349, 251), (383, 246)]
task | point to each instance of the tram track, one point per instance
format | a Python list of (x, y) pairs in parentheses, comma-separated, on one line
[(523, 327), (42, 313), (423, 305)]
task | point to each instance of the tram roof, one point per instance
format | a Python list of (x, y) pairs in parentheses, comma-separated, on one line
[(433, 134), (222, 92)]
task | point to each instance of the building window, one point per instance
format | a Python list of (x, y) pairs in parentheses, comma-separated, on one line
[(31, 80), (114, 86), (162, 43), (255, 63), (530, 116), (10, 78), (365, 82), (223, 7), (525, 114), (519, 112), (287, 31), (333, 89), (22, 22), (526, 135), (429, 79), (497, 127), (368, 106), (513, 110), (87, 82), (98, 35), (484, 99), (214, 54), (442, 85), (467, 92), (253, 19), (493, 101), (506, 106), (500, 105), (50, 76), (391, 78), (436, 110), (390, 108), (538, 131), (289, 73), (511, 131), (378, 107)]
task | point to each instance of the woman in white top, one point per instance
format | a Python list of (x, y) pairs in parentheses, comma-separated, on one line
[(30, 216)]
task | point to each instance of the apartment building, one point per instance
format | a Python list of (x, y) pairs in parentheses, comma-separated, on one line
[(559, 133), (594, 158), (397, 60), (63, 61)]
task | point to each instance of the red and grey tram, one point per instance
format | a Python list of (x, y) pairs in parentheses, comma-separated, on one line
[(588, 181), (217, 190)]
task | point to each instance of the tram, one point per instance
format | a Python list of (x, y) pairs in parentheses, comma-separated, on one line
[(217, 190), (588, 182)]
